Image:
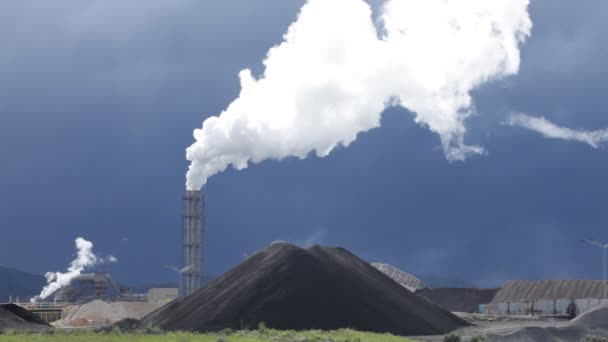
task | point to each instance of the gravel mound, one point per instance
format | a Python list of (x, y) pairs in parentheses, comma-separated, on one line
[(536, 334), (591, 323), (458, 299), (99, 313), (17, 318), (288, 287), (594, 318), (25, 314)]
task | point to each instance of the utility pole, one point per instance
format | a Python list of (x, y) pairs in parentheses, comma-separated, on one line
[(603, 246)]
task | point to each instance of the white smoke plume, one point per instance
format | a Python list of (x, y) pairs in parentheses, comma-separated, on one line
[(336, 72), (550, 130), (84, 258)]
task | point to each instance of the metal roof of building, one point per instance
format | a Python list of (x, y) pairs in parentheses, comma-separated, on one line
[(519, 290)]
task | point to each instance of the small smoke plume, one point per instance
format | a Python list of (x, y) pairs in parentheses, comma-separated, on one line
[(551, 130), (85, 258), (336, 71)]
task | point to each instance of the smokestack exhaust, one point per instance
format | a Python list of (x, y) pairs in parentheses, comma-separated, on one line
[(192, 238), (326, 82)]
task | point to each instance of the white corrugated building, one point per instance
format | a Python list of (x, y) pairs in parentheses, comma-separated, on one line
[(546, 297)]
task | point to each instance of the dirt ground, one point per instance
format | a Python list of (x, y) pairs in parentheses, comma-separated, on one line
[(484, 325), (525, 328)]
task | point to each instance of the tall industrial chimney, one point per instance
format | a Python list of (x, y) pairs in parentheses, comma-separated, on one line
[(193, 231)]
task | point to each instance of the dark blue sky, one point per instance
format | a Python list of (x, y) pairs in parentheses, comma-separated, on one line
[(98, 102)]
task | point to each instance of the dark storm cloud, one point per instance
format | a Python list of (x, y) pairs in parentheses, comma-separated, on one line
[(563, 73), (98, 100), (66, 47), (97, 94)]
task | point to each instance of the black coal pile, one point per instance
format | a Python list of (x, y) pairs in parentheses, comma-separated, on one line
[(288, 287), (458, 299), (128, 324), (14, 317)]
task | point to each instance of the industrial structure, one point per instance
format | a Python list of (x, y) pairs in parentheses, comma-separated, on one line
[(87, 287), (162, 295), (546, 298), (193, 230), (48, 311), (403, 278)]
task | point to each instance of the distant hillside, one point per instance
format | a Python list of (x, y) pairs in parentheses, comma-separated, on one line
[(18, 283), (433, 280), (458, 299)]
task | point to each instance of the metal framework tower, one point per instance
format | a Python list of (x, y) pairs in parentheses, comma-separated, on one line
[(193, 231)]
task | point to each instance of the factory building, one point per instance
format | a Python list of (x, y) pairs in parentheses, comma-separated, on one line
[(405, 279), (87, 287), (557, 298), (162, 295)]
